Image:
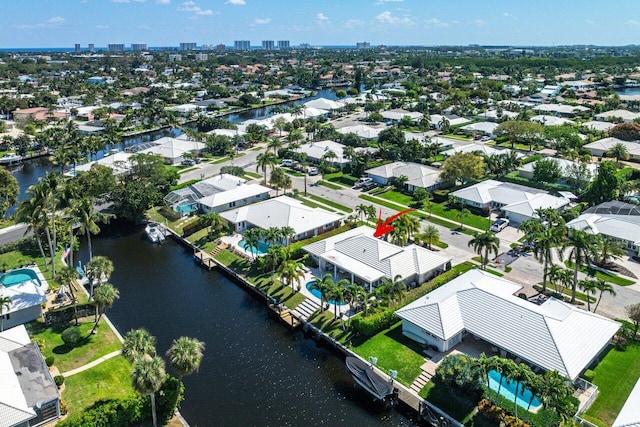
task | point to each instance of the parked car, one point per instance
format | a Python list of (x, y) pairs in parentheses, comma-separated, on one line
[(485, 138), (499, 225), (287, 162), (188, 162), (368, 186), (313, 171), (363, 181)]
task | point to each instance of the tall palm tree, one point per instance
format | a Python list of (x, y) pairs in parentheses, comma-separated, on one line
[(274, 145), (5, 302), (252, 238), (52, 186), (214, 221), (533, 383), (545, 240), (323, 286), (609, 249), (355, 295), (137, 343), (484, 365), (146, 378), (461, 215), (288, 233), (31, 213), (395, 287), (66, 276), (99, 269), (583, 249), (430, 234), (603, 287), (185, 356), (104, 298), (484, 243), (272, 235), (589, 287), (519, 374), (264, 161), (362, 210), (83, 210), (291, 272)]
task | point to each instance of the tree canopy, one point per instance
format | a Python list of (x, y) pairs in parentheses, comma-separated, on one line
[(463, 167)]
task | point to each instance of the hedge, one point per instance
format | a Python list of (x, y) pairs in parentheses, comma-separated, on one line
[(65, 314), (27, 245), (193, 227), (371, 325)]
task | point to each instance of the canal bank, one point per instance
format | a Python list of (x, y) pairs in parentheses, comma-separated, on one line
[(253, 373)]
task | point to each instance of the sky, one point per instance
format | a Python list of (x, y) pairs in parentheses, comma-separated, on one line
[(62, 23)]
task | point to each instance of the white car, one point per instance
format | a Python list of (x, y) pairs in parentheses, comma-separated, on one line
[(363, 182), (313, 171), (499, 225)]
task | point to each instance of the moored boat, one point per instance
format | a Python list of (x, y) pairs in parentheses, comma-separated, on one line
[(10, 159), (155, 232)]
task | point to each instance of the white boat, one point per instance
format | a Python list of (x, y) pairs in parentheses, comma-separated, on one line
[(10, 158), (155, 232)]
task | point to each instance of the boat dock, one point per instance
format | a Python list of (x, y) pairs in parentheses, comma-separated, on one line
[(204, 259), (285, 315)]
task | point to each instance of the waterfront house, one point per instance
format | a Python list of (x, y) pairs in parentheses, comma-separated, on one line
[(519, 203), (550, 334), (367, 260), (119, 163), (28, 394), (418, 175), (173, 150), (27, 295), (282, 212), (618, 220)]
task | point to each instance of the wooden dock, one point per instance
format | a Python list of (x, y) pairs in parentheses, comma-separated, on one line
[(204, 259), (285, 315)]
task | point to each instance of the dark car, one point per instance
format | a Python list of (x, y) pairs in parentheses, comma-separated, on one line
[(188, 162), (368, 186)]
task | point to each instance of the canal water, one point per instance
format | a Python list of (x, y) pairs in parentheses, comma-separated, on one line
[(255, 371)]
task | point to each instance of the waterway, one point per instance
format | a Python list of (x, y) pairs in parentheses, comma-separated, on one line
[(628, 91), (255, 371)]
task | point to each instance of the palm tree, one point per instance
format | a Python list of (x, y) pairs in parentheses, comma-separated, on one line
[(98, 269), (84, 211), (35, 217), (589, 287), (146, 378), (66, 276), (323, 286), (264, 161), (5, 302), (337, 294), (274, 145), (291, 271), (533, 383), (287, 233), (430, 234), (603, 287), (272, 235), (609, 249), (544, 239), (137, 343), (185, 356), (51, 186), (251, 239), (104, 298), (461, 215), (361, 210), (553, 388), (619, 151), (214, 221), (354, 295), (484, 243), (520, 373), (584, 246), (484, 365)]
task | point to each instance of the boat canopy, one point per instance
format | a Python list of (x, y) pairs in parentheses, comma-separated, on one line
[(364, 374)]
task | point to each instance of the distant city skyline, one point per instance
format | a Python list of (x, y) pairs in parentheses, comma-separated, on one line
[(64, 23)]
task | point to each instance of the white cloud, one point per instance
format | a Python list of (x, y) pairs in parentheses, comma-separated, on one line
[(163, 1), (127, 1), (192, 7), (633, 22), (353, 23), (236, 2), (510, 15), (590, 22), (480, 22), (52, 22), (386, 18), (381, 2), (435, 23), (102, 27), (454, 22), (321, 17), (143, 27), (261, 21)]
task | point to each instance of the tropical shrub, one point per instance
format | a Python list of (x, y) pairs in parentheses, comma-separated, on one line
[(193, 227), (588, 375), (59, 380), (49, 361), (459, 371), (71, 336), (371, 325)]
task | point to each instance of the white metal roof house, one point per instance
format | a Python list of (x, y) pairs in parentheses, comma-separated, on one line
[(118, 162), (526, 170), (485, 128), (629, 415), (517, 201), (367, 260), (600, 147), (281, 212), (28, 394), (27, 296), (362, 131), (418, 175), (615, 219), (398, 114), (553, 335), (615, 115), (476, 147), (317, 149), (172, 150)]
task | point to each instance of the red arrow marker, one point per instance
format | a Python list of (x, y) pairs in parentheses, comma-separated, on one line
[(385, 227)]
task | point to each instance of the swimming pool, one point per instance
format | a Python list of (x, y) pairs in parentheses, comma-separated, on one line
[(185, 208), (316, 293), (508, 390), (18, 276), (262, 248)]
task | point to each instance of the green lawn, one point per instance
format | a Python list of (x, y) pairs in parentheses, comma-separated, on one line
[(181, 171), (330, 203), (93, 347), (607, 277), (293, 173), (15, 259), (110, 379), (330, 185), (394, 351), (253, 175), (615, 377), (341, 178)]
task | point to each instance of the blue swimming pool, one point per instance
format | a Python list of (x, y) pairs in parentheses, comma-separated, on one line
[(185, 208), (16, 277), (508, 390), (262, 249), (316, 293)]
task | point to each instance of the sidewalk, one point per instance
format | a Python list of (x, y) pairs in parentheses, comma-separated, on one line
[(91, 364)]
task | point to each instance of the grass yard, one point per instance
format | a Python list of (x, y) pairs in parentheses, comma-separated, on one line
[(330, 185), (293, 173), (14, 259), (607, 277), (66, 358), (181, 171), (394, 351), (253, 175), (615, 377), (330, 203), (109, 380), (341, 178)]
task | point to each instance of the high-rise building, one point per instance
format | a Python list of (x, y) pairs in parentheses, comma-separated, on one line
[(175, 57), (91, 47), (304, 46), (221, 46), (115, 47), (187, 46), (363, 45), (202, 56), (268, 45), (78, 47), (242, 45), (283, 44), (206, 47), (138, 47)]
